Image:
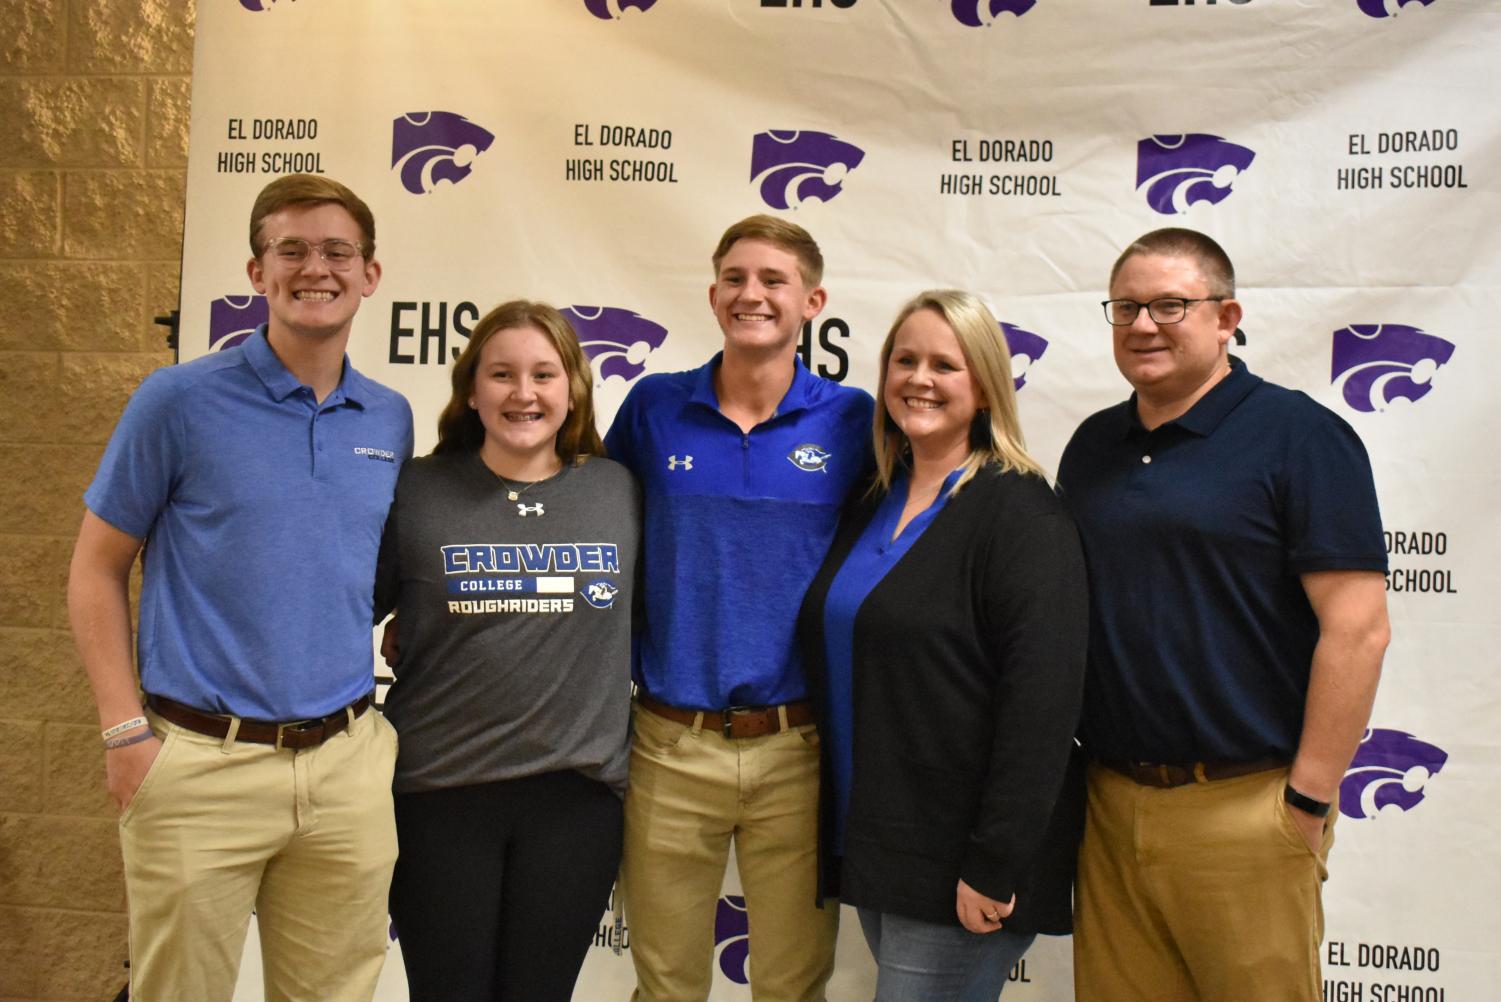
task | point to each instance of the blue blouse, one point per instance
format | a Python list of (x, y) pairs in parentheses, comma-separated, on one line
[(868, 562)]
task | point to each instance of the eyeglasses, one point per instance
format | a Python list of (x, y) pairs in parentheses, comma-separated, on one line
[(338, 254), (1167, 310)]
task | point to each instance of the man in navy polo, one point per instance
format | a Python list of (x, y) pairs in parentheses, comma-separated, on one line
[(744, 464), (1239, 621), (248, 767)]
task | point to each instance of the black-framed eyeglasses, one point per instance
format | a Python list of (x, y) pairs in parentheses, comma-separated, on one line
[(293, 251), (1167, 310)]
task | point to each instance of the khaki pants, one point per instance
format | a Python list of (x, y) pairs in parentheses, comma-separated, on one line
[(1200, 893), (692, 791), (305, 838)]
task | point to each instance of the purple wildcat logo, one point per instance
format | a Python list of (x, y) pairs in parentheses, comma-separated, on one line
[(793, 167), (1374, 365), (617, 341), (260, 5), (1193, 167), (430, 148), (1026, 348), (1386, 8), (1390, 770), (613, 10), (981, 13), (732, 938), (232, 319)]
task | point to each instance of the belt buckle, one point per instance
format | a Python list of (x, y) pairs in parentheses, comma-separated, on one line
[(729, 713), (296, 726)]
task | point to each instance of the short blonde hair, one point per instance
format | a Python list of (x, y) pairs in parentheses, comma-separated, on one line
[(997, 438), (790, 237)]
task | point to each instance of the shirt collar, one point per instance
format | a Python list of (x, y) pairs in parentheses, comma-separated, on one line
[(1208, 411), (795, 399), (281, 384)]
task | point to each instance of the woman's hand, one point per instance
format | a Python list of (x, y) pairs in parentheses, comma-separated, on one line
[(977, 913), (390, 648)]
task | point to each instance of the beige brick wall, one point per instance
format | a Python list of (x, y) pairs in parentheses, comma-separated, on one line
[(94, 118)]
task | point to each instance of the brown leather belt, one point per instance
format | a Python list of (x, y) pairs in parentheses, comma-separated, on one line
[(734, 721), (296, 735), (1169, 776)]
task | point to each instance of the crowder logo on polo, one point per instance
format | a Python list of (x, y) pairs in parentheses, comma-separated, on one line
[(1026, 348), (1389, 771), (600, 594), (979, 13), (616, 340), (430, 148), (1384, 8), (732, 938), (613, 10), (1180, 170), (232, 319), (1375, 365), (796, 167), (810, 457)]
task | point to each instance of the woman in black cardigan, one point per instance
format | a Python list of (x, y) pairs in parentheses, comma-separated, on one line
[(945, 639)]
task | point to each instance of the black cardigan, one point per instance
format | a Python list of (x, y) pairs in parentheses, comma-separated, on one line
[(968, 675)]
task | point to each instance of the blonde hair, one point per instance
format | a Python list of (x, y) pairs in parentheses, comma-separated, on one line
[(996, 437), (790, 237)]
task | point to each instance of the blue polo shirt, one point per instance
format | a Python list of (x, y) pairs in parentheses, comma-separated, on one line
[(736, 525), (262, 513), (1196, 534)]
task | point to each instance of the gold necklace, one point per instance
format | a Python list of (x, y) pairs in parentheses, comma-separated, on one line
[(512, 493)]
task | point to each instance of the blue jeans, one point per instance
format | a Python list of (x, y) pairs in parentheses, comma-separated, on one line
[(926, 962)]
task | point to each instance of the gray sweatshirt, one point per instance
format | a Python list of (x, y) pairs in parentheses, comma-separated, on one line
[(515, 622)]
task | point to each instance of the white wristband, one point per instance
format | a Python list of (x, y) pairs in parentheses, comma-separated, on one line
[(130, 724)]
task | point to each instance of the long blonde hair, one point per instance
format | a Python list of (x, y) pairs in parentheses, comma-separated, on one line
[(989, 361)]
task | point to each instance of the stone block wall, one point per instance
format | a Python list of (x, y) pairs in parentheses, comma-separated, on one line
[(93, 156)]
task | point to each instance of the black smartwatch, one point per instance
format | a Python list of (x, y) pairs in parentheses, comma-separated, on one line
[(1304, 803)]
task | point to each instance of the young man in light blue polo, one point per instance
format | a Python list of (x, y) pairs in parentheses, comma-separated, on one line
[(248, 766), (744, 465)]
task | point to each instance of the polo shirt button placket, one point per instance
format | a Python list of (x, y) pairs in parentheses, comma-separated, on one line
[(316, 440)]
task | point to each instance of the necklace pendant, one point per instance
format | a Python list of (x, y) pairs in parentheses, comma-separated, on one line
[(512, 496)]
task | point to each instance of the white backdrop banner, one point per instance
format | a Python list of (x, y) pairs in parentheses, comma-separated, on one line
[(589, 152)]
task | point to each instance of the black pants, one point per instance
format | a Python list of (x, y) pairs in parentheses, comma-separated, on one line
[(500, 887)]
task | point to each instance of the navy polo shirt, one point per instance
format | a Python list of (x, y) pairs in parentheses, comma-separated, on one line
[(736, 525), (1196, 534), (262, 512)]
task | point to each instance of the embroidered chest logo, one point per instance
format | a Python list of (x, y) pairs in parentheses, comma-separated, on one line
[(674, 463), (533, 509), (600, 594), (810, 457), (369, 452)]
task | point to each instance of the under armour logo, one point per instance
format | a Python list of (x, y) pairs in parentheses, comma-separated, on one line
[(674, 463), (525, 510)]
